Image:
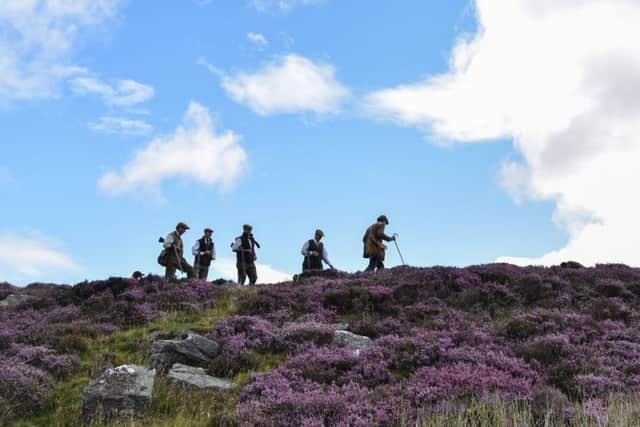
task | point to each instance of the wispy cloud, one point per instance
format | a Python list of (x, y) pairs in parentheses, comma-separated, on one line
[(258, 39), (288, 84), (569, 96), (37, 39), (32, 256), (193, 151), (123, 93), (120, 125)]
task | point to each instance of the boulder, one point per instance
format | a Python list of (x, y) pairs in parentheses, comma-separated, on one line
[(121, 393), (190, 377), (15, 300), (353, 342), (191, 349)]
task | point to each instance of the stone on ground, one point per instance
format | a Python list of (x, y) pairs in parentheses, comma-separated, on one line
[(351, 341), (121, 393), (192, 350), (192, 377)]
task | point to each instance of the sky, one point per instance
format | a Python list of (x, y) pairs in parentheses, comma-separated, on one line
[(485, 130)]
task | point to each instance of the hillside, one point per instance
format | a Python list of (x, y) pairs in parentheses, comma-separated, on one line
[(484, 345)]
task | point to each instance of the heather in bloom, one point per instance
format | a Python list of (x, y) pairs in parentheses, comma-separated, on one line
[(442, 338), (24, 389)]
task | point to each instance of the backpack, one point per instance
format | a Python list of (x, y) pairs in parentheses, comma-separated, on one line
[(163, 258)]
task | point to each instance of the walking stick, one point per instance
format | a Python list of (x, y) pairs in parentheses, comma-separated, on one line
[(398, 248)]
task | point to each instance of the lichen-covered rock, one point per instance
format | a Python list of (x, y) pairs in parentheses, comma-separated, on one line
[(120, 393), (192, 350), (191, 377), (351, 341)]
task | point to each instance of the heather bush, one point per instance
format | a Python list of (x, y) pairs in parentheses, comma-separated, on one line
[(234, 358), (545, 350), (299, 334), (610, 308), (248, 332), (24, 389), (60, 366)]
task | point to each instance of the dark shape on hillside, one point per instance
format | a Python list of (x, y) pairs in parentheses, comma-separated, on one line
[(191, 349), (571, 264)]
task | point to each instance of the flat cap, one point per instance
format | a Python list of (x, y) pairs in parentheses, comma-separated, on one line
[(208, 230), (319, 233), (383, 218), (247, 227), (182, 225)]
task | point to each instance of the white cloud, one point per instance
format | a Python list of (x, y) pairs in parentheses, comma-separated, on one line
[(266, 273), (289, 84), (120, 125), (257, 39), (561, 79), (193, 151), (125, 93), (37, 39), (282, 5), (23, 257)]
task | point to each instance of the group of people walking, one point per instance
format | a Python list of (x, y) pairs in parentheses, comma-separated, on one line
[(244, 246)]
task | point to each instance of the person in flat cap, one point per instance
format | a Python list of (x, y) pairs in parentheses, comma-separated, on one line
[(245, 248), (174, 249), (204, 251), (374, 248), (315, 252)]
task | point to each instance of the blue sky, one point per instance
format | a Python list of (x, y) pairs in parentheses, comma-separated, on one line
[(123, 119)]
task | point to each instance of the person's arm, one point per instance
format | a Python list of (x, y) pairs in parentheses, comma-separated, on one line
[(236, 245), (169, 241), (305, 248), (213, 251), (325, 256), (382, 236), (195, 250)]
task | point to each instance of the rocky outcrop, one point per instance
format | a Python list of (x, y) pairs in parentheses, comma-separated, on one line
[(351, 341), (196, 378), (191, 349), (120, 393)]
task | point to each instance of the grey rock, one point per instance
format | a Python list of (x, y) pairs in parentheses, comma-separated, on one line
[(191, 377), (353, 342), (15, 300), (192, 350), (343, 326), (121, 393)]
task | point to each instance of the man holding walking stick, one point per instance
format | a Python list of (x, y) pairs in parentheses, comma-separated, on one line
[(374, 249), (173, 253), (244, 247)]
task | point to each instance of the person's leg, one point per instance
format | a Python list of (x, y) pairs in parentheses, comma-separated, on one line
[(203, 272), (373, 262), (253, 274), (170, 271), (380, 265), (186, 267), (242, 275)]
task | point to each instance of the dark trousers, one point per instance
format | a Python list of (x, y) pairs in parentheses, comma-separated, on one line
[(245, 270), (202, 271), (375, 264), (172, 266)]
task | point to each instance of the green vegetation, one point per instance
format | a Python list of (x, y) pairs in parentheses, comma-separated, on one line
[(131, 346)]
